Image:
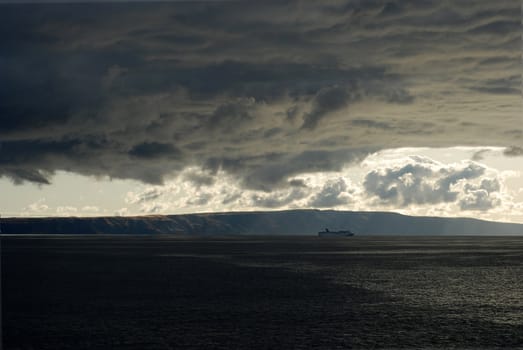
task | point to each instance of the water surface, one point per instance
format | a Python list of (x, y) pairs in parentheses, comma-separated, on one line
[(165, 292)]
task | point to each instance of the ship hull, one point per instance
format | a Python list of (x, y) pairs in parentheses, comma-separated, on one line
[(335, 234)]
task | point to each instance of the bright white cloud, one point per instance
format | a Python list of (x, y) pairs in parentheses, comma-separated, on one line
[(415, 185), (420, 180), (122, 212), (90, 209), (66, 210), (332, 194), (37, 207), (434, 182)]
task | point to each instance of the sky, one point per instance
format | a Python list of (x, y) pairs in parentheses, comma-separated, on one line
[(135, 108)]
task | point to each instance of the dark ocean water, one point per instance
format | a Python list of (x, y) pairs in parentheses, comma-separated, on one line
[(157, 292)]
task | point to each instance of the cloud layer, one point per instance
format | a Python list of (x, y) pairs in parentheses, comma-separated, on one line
[(412, 185), (260, 92)]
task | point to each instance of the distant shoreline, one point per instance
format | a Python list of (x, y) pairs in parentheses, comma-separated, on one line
[(271, 223)]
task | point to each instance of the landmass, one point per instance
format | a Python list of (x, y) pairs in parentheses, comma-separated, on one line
[(287, 222)]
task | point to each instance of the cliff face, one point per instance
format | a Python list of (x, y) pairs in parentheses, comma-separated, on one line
[(291, 222)]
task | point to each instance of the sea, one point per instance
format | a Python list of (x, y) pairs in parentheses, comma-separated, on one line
[(263, 292)]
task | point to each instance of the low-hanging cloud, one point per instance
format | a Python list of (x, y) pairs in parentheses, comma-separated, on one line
[(264, 92)]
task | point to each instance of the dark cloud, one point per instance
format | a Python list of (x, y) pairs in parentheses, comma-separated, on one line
[(154, 150), (272, 132), (499, 27), (334, 98), (263, 91), (477, 156), (268, 174), (513, 151), (327, 100), (200, 179), (369, 123), (297, 183), (18, 176), (508, 85), (230, 115), (292, 113), (392, 9)]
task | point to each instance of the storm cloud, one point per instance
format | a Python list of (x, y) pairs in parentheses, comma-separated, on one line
[(262, 91)]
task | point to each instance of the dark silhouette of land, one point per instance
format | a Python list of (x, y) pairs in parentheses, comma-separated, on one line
[(289, 222)]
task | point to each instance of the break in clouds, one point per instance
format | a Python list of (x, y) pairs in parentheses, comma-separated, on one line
[(260, 93), (414, 184)]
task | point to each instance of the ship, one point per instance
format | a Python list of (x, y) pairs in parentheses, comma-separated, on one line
[(327, 233)]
